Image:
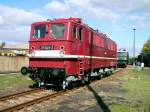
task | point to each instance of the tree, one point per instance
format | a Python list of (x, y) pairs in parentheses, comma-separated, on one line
[(146, 47), (2, 44)]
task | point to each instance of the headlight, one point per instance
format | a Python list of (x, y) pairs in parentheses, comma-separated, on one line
[(33, 54), (61, 53)]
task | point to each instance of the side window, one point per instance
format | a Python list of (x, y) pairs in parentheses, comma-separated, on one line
[(112, 47), (105, 43), (89, 36), (109, 44), (75, 32), (101, 41), (80, 33)]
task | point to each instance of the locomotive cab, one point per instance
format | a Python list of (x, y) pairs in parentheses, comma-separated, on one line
[(50, 47)]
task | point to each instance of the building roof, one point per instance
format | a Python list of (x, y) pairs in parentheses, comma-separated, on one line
[(17, 46)]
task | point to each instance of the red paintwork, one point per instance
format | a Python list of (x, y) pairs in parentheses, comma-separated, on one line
[(74, 46)]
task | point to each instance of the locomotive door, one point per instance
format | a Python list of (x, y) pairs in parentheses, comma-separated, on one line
[(80, 43), (81, 40), (78, 46), (78, 35)]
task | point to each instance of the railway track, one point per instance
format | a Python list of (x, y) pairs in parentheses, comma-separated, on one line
[(6, 102), (18, 94), (48, 96)]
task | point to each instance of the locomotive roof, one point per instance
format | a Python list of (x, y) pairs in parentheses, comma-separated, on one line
[(122, 51), (75, 20)]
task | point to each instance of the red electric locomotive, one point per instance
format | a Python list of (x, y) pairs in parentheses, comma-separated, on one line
[(63, 51)]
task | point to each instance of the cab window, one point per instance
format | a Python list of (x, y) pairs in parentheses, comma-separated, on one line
[(39, 31), (57, 30)]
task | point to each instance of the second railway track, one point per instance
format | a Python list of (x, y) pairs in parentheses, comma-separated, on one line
[(18, 94), (19, 98), (42, 98)]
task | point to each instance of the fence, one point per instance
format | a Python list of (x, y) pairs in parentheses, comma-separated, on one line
[(12, 63)]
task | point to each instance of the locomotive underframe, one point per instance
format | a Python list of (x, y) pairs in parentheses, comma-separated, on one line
[(58, 77), (122, 63), (43, 76)]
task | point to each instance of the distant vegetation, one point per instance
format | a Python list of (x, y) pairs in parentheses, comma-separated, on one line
[(146, 47), (2, 45)]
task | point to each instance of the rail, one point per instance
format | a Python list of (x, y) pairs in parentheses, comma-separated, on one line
[(18, 94)]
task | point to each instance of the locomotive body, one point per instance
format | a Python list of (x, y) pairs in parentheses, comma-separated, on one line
[(63, 51), (123, 58)]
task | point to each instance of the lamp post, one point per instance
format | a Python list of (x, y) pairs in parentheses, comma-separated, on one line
[(134, 47)]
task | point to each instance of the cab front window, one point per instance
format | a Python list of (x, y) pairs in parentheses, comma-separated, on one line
[(57, 30), (39, 31)]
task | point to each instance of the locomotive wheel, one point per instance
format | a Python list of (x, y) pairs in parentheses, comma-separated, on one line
[(99, 77), (39, 85), (85, 80), (88, 80), (108, 73), (64, 84)]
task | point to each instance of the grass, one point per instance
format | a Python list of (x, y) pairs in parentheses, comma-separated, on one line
[(6, 51), (122, 108), (10, 81), (137, 86)]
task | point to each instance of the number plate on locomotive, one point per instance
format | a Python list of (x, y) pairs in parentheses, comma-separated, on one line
[(47, 47)]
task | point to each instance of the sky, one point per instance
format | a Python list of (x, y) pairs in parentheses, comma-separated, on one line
[(116, 18)]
